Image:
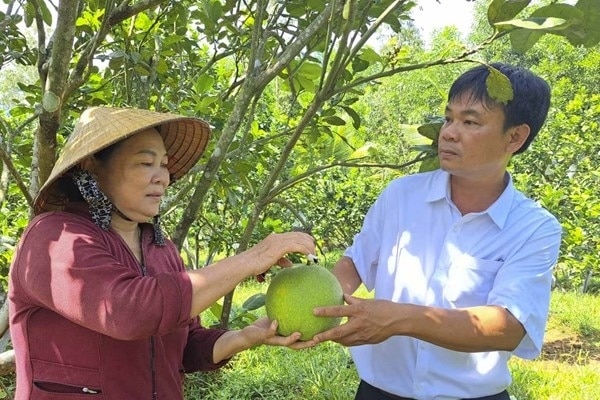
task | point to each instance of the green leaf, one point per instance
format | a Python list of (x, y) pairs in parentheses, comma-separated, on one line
[(214, 10), (208, 100), (546, 24), (316, 5), (254, 302), (204, 83), (430, 164), (424, 148), (502, 10), (354, 115), (46, 14), (523, 39), (564, 11), (29, 14), (305, 83), (367, 150), (431, 130), (162, 67), (216, 309), (335, 120), (142, 22), (498, 86), (310, 70), (561, 19), (295, 9), (370, 55), (591, 27), (359, 64)]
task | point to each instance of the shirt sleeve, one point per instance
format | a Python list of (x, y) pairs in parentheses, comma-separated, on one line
[(198, 353), (366, 245), (523, 284)]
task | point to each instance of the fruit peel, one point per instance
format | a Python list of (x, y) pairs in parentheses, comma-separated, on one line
[(293, 294)]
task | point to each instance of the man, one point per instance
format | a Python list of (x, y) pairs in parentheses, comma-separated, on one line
[(459, 260)]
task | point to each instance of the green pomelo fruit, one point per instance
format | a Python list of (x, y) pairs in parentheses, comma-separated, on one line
[(293, 294)]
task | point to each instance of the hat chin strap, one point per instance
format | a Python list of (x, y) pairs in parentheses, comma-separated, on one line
[(120, 213)]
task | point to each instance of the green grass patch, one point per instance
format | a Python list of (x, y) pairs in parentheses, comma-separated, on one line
[(323, 372), (552, 380), (568, 369)]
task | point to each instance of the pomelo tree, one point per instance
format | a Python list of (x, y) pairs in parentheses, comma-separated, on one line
[(277, 80)]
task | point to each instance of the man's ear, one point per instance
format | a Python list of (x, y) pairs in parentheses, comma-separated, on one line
[(518, 136)]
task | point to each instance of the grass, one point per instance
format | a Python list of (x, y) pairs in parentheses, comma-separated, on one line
[(568, 369), (323, 373)]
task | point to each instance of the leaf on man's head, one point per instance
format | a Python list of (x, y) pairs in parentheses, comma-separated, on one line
[(498, 86)]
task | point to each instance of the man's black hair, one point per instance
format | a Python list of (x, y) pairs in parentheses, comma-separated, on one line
[(531, 96)]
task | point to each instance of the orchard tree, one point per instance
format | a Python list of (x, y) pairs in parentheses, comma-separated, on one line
[(227, 62)]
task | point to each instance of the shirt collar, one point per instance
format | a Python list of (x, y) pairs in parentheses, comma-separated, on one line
[(498, 211), (440, 185)]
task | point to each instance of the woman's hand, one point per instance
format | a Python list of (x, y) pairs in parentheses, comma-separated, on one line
[(214, 281), (264, 331), (261, 332), (272, 249)]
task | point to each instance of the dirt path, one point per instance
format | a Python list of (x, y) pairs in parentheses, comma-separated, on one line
[(572, 348)]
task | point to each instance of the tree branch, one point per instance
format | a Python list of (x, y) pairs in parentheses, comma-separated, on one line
[(301, 177), (125, 11)]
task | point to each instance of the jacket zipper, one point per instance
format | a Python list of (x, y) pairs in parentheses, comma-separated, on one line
[(152, 340)]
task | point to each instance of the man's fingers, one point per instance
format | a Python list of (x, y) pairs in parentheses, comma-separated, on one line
[(334, 334), (332, 311), (351, 299), (300, 345), (339, 311)]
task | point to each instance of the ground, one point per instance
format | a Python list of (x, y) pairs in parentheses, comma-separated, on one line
[(569, 347)]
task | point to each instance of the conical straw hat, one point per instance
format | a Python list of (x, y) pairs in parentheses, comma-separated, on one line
[(185, 139)]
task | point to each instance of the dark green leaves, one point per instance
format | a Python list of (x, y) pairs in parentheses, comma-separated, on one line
[(430, 130), (590, 27), (574, 22)]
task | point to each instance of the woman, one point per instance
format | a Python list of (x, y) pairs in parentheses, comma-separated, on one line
[(101, 304)]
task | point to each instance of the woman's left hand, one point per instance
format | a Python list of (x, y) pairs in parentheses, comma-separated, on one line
[(264, 331)]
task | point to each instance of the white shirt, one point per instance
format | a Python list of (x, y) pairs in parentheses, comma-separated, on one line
[(416, 247)]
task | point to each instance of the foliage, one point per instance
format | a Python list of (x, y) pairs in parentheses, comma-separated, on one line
[(561, 168), (240, 316), (574, 22)]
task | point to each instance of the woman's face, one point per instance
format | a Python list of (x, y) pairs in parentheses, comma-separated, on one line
[(135, 175)]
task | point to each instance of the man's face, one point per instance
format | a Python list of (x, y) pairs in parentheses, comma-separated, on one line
[(472, 142)]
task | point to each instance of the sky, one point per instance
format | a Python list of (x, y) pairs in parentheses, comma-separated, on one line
[(429, 15)]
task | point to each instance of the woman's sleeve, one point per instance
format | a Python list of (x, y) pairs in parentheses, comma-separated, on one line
[(198, 353), (68, 267)]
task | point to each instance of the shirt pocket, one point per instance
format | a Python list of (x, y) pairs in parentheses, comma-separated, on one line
[(470, 280), (53, 391), (53, 380)]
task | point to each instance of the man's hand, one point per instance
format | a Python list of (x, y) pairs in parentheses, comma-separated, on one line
[(369, 321)]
